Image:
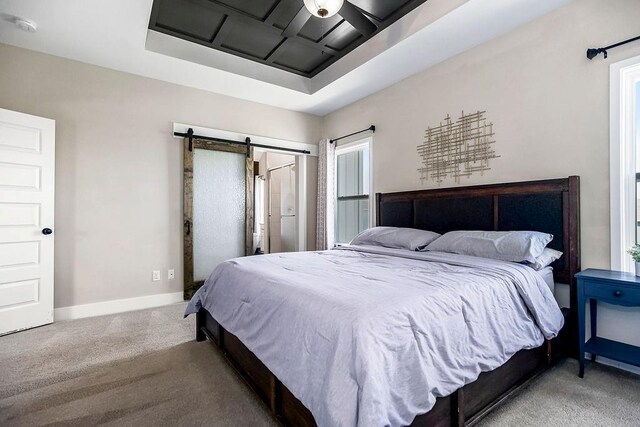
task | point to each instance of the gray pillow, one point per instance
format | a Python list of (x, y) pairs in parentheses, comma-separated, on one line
[(515, 246), (546, 258), (395, 237)]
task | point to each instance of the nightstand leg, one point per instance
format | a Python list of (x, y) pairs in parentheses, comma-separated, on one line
[(593, 312), (581, 323)]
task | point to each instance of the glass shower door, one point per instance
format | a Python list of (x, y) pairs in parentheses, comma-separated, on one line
[(282, 209), (288, 209)]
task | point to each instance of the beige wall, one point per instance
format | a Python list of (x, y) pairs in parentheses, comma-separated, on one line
[(548, 103), (119, 170)]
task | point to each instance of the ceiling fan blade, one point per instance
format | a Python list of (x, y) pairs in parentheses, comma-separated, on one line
[(353, 16), (297, 23)]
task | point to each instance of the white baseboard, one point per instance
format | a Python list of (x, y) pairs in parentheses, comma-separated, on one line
[(116, 306), (613, 363)]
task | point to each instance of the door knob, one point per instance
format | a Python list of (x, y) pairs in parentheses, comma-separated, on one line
[(47, 231), (617, 293)]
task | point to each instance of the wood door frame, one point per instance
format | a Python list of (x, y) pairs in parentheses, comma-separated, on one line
[(190, 285)]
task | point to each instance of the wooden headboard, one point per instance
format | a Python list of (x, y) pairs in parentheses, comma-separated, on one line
[(551, 206)]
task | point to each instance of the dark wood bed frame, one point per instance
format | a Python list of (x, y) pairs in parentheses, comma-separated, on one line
[(549, 206)]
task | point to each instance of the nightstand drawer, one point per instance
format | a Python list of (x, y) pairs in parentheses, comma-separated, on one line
[(624, 295)]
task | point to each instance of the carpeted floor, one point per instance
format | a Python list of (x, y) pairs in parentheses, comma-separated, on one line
[(144, 368), (606, 397)]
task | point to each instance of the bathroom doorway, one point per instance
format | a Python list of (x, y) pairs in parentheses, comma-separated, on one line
[(277, 202)]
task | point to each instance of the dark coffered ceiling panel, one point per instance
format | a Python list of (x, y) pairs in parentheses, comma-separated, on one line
[(300, 59), (278, 33), (238, 39), (256, 9), (196, 21), (286, 11)]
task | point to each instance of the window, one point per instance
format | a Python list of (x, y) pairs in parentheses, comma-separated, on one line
[(637, 147), (625, 161), (353, 195)]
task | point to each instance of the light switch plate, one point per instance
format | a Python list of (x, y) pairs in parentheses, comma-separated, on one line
[(171, 274), (156, 275)]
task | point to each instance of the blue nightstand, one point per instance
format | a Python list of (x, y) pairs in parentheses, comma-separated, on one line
[(613, 287)]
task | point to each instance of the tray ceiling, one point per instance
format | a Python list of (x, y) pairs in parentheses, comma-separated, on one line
[(115, 34), (277, 33)]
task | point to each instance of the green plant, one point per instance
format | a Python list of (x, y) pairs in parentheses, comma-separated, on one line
[(634, 252)]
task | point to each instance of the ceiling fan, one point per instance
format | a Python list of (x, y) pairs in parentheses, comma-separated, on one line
[(326, 9)]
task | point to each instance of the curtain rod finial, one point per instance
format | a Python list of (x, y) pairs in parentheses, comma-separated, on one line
[(593, 52)]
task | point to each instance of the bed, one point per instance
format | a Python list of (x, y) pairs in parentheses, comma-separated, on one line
[(315, 350)]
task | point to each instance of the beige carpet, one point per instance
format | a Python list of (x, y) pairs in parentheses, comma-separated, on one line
[(606, 397), (144, 368), (138, 368)]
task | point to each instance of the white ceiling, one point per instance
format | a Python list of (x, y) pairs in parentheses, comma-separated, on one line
[(113, 34)]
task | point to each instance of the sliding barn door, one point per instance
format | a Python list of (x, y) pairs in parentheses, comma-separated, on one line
[(218, 210)]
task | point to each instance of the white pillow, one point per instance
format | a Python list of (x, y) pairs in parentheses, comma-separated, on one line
[(545, 259), (515, 246), (395, 237)]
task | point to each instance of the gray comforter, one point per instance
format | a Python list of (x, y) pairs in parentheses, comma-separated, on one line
[(370, 336)]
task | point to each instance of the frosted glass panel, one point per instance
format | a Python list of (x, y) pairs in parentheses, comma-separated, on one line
[(218, 209)]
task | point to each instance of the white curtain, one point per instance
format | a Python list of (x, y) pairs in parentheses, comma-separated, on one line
[(326, 195)]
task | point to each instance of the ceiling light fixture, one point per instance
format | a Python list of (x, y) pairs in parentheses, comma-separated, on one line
[(323, 8)]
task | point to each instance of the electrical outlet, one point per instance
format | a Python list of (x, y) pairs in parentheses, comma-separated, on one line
[(171, 274), (156, 275)]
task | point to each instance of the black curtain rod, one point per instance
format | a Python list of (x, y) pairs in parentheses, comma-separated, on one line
[(189, 134), (593, 52), (371, 128)]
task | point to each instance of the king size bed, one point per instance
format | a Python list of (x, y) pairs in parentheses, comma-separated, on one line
[(369, 335)]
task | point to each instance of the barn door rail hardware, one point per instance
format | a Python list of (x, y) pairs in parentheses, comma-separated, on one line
[(247, 142)]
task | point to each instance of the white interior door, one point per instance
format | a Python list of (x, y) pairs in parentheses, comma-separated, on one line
[(27, 152)]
